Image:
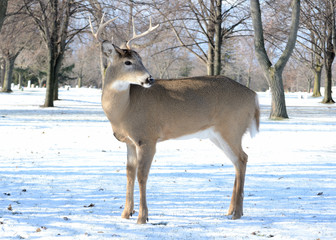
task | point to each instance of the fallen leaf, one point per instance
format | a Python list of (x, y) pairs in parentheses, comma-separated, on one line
[(160, 223), (91, 205)]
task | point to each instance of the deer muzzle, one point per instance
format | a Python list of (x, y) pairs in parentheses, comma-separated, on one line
[(148, 82)]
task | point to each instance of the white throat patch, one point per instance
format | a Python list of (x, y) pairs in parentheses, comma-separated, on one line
[(120, 85)]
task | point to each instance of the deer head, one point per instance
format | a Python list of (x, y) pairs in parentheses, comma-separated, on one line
[(126, 65)]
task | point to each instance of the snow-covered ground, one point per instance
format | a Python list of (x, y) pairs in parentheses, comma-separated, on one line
[(62, 175)]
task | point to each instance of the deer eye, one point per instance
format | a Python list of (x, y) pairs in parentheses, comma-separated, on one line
[(128, 63)]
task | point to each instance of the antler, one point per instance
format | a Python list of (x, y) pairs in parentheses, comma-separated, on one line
[(101, 27), (135, 36)]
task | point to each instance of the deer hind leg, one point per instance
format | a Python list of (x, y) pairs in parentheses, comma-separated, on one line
[(236, 205), (145, 157), (131, 171), (239, 159)]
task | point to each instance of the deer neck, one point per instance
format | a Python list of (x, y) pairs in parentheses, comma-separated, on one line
[(115, 100)]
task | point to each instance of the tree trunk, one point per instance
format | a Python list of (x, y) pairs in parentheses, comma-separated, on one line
[(317, 81), (50, 84), (329, 56), (3, 9), (20, 80), (40, 81), (58, 64), (328, 80), (309, 82), (9, 60), (2, 73), (56, 43), (210, 62), (56, 88), (248, 82), (211, 46), (274, 73), (316, 64), (278, 107), (79, 82), (49, 98), (8, 75), (327, 89), (218, 38)]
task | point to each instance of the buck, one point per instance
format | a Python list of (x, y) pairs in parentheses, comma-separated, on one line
[(144, 112)]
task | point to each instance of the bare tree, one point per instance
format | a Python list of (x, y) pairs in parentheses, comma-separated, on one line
[(9, 57), (87, 65), (273, 73), (35, 59), (53, 20), (306, 50), (311, 39), (316, 63), (202, 26), (329, 49), (16, 34), (318, 35), (3, 10), (239, 61)]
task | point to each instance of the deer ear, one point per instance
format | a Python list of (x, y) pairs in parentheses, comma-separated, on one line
[(119, 50), (109, 50)]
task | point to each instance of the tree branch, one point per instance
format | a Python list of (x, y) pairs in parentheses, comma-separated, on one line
[(259, 42), (292, 36)]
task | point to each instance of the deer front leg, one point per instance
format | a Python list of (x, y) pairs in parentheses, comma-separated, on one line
[(145, 157), (131, 171)]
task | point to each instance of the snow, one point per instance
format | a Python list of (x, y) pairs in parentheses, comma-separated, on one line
[(62, 175)]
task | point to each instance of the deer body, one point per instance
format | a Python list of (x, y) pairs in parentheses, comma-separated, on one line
[(174, 108), (143, 113)]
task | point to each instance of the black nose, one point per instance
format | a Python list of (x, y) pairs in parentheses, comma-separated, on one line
[(150, 80)]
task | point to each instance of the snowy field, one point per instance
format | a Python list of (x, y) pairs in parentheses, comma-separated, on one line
[(62, 175)]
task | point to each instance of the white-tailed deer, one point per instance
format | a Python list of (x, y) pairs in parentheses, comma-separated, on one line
[(143, 113)]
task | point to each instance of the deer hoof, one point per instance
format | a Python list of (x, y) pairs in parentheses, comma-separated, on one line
[(127, 214), (237, 215), (142, 220)]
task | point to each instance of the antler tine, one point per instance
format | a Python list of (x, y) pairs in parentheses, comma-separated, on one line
[(135, 36), (101, 27), (91, 27), (101, 21)]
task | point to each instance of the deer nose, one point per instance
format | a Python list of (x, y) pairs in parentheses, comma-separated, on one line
[(150, 80)]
